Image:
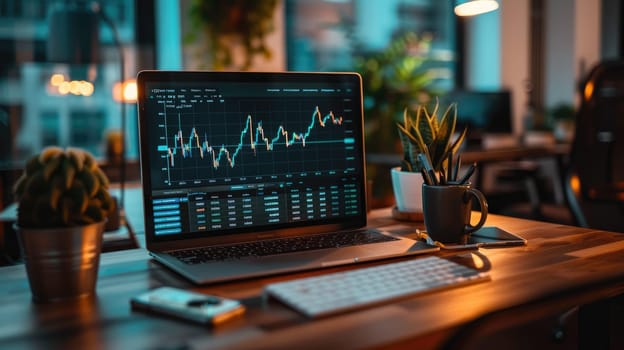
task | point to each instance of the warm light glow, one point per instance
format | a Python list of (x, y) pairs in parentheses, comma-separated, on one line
[(64, 88), (475, 7), (59, 85), (129, 90), (57, 79), (477, 261), (575, 184), (589, 91), (74, 87), (86, 88)]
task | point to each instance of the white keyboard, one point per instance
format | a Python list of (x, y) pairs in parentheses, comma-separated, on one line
[(343, 291)]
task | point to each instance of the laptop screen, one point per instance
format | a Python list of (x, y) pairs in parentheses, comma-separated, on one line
[(226, 153)]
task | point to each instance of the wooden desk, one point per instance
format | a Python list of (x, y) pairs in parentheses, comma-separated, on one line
[(561, 267)]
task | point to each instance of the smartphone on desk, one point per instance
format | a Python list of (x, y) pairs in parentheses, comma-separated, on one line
[(491, 236), (188, 305)]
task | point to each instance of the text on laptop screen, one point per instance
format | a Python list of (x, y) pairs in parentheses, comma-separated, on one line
[(233, 155)]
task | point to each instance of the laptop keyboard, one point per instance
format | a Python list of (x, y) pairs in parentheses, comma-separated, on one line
[(344, 291), (280, 246)]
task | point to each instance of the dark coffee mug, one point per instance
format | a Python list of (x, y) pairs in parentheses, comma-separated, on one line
[(446, 210)]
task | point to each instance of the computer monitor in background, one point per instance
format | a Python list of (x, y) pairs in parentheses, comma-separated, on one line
[(483, 112)]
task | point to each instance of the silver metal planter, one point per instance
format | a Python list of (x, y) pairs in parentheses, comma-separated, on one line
[(61, 263)]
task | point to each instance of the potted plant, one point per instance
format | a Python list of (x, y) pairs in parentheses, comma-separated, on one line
[(400, 75), (226, 25), (63, 203), (425, 137), (393, 78)]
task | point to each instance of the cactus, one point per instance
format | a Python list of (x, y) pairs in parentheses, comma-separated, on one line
[(61, 188)]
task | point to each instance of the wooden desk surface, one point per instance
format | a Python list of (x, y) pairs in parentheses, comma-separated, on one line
[(560, 267)]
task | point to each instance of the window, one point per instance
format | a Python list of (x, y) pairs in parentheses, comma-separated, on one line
[(330, 35), (58, 103)]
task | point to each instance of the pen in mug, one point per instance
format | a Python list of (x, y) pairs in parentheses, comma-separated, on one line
[(468, 173), (457, 166), (426, 176)]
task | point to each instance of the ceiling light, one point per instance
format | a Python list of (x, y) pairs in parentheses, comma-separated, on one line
[(474, 7)]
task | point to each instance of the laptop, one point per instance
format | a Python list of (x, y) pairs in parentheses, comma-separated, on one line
[(249, 174)]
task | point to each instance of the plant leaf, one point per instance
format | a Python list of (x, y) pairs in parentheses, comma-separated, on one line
[(415, 145), (405, 143), (433, 120), (458, 142), (423, 126), (406, 119), (432, 136)]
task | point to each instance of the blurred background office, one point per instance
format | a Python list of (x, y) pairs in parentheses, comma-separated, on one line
[(529, 54)]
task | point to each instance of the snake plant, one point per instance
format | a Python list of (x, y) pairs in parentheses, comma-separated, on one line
[(432, 135)]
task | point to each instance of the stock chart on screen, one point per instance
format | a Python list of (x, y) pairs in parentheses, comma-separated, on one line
[(289, 151)]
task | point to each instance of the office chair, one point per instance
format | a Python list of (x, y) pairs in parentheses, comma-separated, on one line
[(527, 173), (594, 182)]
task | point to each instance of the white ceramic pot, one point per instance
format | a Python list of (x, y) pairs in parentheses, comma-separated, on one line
[(407, 188)]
